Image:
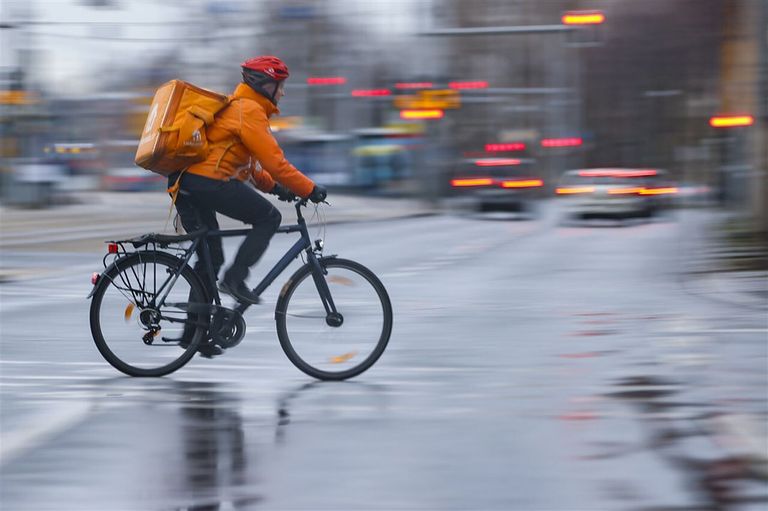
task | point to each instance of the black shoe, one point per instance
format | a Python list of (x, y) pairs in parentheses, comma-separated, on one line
[(209, 350), (239, 292)]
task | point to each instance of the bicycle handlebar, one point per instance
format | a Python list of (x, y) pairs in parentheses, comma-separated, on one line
[(300, 203)]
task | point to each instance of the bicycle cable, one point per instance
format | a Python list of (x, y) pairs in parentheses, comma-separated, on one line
[(321, 226)]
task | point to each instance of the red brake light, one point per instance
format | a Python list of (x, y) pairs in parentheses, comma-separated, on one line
[(562, 142), (617, 173), (468, 85), (413, 85), (513, 146), (523, 183), (331, 80), (112, 248), (362, 93), (498, 162), (479, 181)]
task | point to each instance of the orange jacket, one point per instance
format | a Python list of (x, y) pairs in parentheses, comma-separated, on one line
[(241, 145)]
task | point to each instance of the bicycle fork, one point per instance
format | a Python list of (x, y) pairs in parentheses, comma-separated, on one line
[(332, 316)]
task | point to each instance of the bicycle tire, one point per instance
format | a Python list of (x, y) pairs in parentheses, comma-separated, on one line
[(283, 311), (124, 272)]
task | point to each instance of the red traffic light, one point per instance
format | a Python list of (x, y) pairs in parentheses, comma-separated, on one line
[(583, 18)]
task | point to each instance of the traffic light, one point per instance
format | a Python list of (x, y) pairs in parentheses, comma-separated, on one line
[(585, 25), (731, 121), (582, 18)]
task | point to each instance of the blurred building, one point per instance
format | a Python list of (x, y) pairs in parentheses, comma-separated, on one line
[(636, 91)]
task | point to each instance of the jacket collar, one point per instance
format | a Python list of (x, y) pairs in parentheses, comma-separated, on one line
[(244, 91)]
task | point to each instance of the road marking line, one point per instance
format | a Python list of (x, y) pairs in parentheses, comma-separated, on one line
[(45, 426), (736, 331), (58, 363)]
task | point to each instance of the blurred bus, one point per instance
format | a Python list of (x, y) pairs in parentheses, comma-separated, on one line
[(122, 174), (323, 157), (384, 157)]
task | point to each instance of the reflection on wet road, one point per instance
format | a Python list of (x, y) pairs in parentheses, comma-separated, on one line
[(531, 367)]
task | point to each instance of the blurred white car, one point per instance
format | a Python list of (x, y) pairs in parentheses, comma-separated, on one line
[(614, 193)]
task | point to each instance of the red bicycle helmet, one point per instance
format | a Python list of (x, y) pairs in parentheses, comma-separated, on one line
[(264, 75), (268, 65)]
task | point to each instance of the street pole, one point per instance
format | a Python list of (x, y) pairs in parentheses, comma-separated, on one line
[(761, 147)]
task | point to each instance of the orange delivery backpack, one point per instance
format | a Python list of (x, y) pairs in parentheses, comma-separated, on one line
[(174, 133)]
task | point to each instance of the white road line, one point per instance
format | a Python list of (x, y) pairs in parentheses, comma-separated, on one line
[(57, 363), (736, 331), (47, 424)]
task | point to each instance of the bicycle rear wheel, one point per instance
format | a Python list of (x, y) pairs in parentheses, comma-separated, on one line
[(334, 347), (127, 325)]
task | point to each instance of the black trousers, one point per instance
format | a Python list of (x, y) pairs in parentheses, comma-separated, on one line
[(200, 198)]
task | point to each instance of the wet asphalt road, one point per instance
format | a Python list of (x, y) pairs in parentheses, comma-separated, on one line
[(531, 366)]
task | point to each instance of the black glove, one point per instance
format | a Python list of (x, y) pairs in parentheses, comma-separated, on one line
[(283, 193), (319, 193)]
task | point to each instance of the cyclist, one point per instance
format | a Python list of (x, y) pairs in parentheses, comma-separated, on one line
[(242, 151)]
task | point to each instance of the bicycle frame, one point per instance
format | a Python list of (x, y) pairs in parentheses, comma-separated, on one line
[(304, 244)]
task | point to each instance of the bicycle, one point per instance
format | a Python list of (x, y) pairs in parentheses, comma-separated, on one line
[(333, 316)]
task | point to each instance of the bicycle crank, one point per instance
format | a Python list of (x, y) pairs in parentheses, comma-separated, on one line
[(227, 328)]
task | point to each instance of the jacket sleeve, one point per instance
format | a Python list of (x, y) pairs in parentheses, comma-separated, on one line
[(258, 139), (261, 179)]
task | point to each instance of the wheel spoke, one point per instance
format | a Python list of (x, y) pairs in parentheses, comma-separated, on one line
[(345, 343), (122, 342)]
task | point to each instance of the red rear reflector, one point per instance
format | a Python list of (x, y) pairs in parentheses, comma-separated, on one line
[(499, 162), (112, 248), (482, 181), (95, 278), (576, 189), (528, 183)]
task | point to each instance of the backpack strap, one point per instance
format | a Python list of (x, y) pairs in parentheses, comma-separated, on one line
[(174, 191), (233, 141)]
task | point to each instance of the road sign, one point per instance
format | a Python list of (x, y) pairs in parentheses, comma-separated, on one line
[(441, 99)]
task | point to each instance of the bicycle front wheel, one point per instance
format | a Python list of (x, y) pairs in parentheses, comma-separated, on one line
[(132, 330), (337, 346)]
